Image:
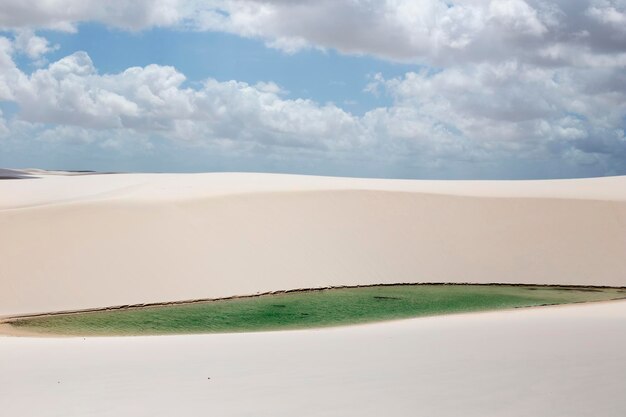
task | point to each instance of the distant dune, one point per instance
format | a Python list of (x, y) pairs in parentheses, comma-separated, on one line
[(13, 174), (84, 241)]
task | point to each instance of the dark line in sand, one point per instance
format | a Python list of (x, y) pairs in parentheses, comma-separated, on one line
[(11, 319)]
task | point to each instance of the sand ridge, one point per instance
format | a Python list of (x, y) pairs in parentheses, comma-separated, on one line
[(58, 187), (89, 241), (72, 242)]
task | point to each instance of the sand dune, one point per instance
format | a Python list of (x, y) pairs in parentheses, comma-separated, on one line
[(13, 174), (71, 242), (86, 241), (567, 361)]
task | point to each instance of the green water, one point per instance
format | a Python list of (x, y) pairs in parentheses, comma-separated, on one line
[(307, 309)]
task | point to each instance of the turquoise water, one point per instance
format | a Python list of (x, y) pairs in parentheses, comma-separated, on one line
[(306, 309)]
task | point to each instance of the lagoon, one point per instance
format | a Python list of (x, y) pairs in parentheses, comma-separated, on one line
[(309, 309)]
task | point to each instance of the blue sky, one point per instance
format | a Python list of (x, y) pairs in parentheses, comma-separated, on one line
[(322, 76), (428, 89)]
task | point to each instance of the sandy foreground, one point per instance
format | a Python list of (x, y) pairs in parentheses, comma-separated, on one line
[(85, 241), (565, 361)]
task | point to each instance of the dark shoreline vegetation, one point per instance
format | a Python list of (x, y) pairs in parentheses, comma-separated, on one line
[(307, 309)]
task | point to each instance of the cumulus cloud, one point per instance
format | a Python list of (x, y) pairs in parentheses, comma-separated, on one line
[(504, 80), (608, 13), (4, 130), (153, 98), (433, 32), (498, 109), (483, 112), (436, 32), (66, 14), (32, 45), (430, 31)]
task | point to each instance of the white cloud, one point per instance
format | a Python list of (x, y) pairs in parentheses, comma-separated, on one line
[(513, 106), (4, 130), (605, 12), (436, 32), (11, 78), (32, 45), (153, 98), (477, 112), (65, 14), (507, 80), (517, 16)]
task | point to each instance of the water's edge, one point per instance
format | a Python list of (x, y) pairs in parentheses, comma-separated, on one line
[(13, 318)]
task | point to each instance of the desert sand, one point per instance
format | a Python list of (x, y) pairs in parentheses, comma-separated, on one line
[(566, 361), (86, 241)]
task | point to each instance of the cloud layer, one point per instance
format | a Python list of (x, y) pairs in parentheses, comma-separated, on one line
[(504, 80), (545, 32)]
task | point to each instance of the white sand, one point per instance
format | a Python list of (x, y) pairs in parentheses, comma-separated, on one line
[(71, 242), (567, 361)]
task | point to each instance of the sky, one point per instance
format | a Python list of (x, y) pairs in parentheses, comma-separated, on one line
[(446, 89)]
